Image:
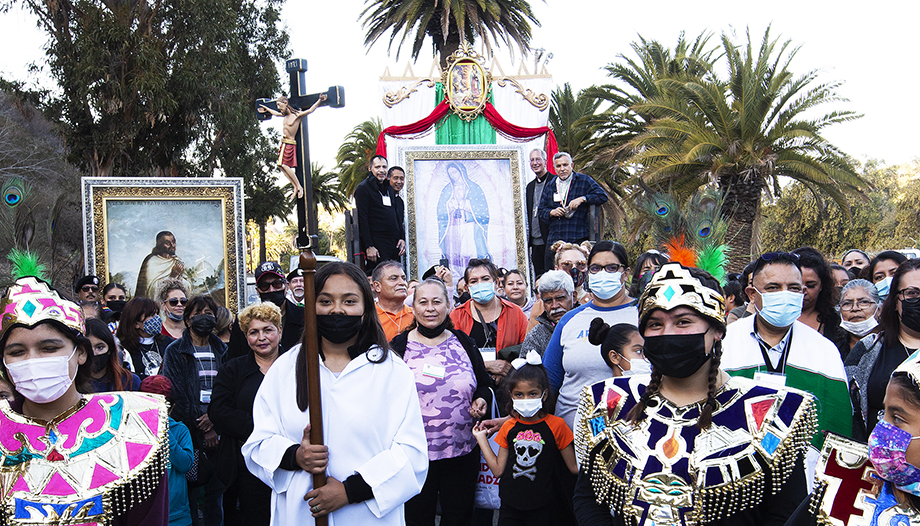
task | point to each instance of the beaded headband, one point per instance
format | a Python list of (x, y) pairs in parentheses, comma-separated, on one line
[(30, 301), (673, 286)]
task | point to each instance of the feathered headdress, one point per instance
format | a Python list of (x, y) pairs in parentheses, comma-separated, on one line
[(693, 235)]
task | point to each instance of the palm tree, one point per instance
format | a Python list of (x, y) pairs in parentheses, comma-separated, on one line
[(265, 200), (355, 153), (326, 189), (636, 81), (743, 134), (564, 111), (448, 23)]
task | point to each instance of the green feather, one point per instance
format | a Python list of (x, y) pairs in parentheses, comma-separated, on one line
[(24, 263), (713, 259)]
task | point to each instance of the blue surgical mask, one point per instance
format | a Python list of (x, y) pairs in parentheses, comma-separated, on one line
[(482, 292), (605, 285), (781, 308), (884, 287)]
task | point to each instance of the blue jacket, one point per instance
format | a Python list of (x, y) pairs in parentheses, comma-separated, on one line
[(180, 461), (575, 228)]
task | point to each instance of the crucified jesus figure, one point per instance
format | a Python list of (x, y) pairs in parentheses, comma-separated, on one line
[(287, 156)]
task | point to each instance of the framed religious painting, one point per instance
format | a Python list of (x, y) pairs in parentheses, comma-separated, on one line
[(464, 202), (142, 231), (466, 83)]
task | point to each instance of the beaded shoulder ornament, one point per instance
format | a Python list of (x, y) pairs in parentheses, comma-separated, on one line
[(848, 493), (87, 466), (666, 471)]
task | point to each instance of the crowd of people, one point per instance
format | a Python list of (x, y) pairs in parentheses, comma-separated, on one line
[(617, 389)]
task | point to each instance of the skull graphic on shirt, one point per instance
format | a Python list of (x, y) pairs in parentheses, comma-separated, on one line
[(527, 448)]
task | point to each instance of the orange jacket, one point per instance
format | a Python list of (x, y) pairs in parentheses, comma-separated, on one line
[(512, 323)]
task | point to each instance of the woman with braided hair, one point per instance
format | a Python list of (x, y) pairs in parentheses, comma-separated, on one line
[(689, 445)]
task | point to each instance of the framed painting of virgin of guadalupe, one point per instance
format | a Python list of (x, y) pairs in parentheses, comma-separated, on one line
[(464, 202)]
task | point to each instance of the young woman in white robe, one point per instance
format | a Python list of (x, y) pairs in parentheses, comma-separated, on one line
[(376, 453)]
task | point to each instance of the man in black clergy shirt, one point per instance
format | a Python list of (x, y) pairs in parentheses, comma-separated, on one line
[(380, 225)]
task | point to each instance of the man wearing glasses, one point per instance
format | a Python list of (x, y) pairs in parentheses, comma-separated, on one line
[(86, 289), (774, 347), (271, 285)]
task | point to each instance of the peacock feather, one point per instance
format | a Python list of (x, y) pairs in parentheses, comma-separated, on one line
[(665, 216), (694, 234)]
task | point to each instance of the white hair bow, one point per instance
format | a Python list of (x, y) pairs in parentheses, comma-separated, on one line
[(532, 358)]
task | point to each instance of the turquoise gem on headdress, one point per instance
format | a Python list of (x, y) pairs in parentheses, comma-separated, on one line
[(669, 293), (29, 308)]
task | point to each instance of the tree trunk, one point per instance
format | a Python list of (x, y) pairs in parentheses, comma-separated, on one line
[(447, 49), (742, 202), (262, 251)]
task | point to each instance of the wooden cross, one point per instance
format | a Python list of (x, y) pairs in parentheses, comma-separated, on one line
[(307, 232), (307, 225)]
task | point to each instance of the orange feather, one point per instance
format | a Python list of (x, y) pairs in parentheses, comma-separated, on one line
[(679, 252)]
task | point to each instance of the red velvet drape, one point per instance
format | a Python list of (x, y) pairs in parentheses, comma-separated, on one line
[(513, 131), (498, 122), (412, 129)]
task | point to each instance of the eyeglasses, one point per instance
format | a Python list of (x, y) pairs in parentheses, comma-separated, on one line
[(177, 301), (89, 288), (910, 293), (612, 268), (567, 265), (862, 304), (265, 286)]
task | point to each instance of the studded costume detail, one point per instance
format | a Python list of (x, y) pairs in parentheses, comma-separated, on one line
[(86, 467), (666, 471), (849, 493)]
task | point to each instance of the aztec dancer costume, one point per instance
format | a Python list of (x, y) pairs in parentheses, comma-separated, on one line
[(102, 462), (743, 469)]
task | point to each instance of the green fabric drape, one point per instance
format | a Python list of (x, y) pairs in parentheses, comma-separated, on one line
[(454, 130)]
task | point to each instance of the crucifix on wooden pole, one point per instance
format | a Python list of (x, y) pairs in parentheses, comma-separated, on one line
[(307, 226)]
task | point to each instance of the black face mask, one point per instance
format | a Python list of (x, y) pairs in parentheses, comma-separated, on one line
[(203, 324), (116, 305), (99, 362), (338, 328), (433, 332), (676, 355), (910, 314), (465, 297), (275, 296)]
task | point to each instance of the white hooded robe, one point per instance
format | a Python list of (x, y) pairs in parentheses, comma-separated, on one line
[(372, 425)]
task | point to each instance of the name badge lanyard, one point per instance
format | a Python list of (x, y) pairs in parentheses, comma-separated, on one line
[(566, 196), (486, 328), (385, 198), (781, 369)]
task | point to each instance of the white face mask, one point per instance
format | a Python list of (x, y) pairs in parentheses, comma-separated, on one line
[(860, 328), (42, 380), (637, 366), (528, 407)]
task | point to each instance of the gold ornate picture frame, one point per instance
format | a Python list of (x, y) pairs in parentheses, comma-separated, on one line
[(467, 83), (126, 221), (464, 202)]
